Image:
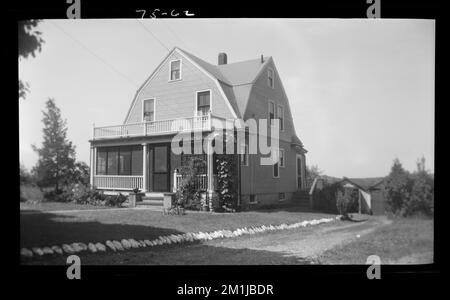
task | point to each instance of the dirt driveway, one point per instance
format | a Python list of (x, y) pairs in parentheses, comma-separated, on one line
[(306, 244), (292, 246)]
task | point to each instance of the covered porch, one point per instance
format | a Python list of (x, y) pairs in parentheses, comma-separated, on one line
[(150, 166)]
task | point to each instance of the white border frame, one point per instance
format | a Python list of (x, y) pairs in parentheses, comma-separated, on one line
[(196, 101), (154, 109), (170, 70)]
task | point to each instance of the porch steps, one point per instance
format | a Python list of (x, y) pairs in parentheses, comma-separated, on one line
[(151, 200), (301, 198)]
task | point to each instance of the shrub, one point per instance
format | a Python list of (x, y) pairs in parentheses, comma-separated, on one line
[(25, 176), (226, 182), (115, 200), (30, 192), (409, 194), (421, 196), (325, 199), (398, 187), (57, 195), (346, 201), (188, 195)]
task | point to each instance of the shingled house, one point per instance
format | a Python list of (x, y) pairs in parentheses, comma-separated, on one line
[(184, 88)]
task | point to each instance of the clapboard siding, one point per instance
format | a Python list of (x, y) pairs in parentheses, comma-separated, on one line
[(177, 99), (258, 104), (258, 179)]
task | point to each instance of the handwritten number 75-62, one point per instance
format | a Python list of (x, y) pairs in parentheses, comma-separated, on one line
[(158, 13)]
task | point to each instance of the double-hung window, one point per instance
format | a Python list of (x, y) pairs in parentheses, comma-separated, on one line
[(203, 102), (175, 70), (270, 78), (271, 112), (280, 116), (149, 110)]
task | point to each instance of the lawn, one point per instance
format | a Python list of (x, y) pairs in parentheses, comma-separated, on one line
[(405, 241), (47, 228), (55, 206)]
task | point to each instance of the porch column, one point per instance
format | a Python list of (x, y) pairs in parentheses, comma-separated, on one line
[(93, 166), (144, 168), (210, 173)]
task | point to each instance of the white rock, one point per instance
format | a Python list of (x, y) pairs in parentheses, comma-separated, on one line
[(125, 244), (57, 249), (111, 245), (38, 251), (68, 249), (148, 243), (76, 247), (118, 245), (142, 243), (100, 247), (92, 248), (134, 244), (47, 250), (83, 246), (26, 252)]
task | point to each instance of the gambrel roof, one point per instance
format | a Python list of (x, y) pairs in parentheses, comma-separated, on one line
[(236, 79)]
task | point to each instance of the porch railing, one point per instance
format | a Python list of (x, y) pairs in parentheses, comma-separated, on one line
[(154, 128), (200, 183), (118, 182)]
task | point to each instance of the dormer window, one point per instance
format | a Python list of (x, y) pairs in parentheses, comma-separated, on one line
[(175, 70), (270, 78)]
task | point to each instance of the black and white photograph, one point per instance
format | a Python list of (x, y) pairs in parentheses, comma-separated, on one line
[(226, 141)]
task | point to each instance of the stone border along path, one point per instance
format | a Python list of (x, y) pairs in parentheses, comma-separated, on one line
[(126, 244)]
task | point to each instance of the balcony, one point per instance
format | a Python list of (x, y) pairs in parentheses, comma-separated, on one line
[(160, 127)]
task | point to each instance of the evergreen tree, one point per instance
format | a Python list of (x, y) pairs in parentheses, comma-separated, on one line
[(57, 154)]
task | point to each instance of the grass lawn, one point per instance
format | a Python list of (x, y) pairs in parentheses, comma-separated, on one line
[(54, 206), (47, 229), (405, 241)]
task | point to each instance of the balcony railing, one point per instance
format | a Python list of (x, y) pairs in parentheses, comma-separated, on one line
[(198, 123)]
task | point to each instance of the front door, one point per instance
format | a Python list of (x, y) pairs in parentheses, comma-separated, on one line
[(159, 167)]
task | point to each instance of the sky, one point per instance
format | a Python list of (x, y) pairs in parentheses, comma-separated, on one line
[(361, 91)]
